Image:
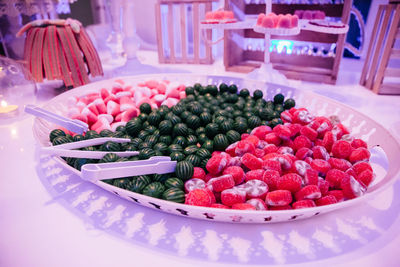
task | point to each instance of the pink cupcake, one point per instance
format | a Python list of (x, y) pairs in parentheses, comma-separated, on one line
[(308, 14), (299, 13), (260, 18), (294, 22), (268, 22), (285, 21)]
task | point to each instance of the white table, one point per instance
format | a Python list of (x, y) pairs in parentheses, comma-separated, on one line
[(49, 217)]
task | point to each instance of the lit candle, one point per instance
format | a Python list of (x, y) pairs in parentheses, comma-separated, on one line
[(7, 110)]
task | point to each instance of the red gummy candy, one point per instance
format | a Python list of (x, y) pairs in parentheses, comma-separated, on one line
[(216, 164), (356, 143), (294, 128), (308, 192), (270, 148), (251, 161), (282, 131), (219, 184), (261, 131), (219, 206), (234, 161), (311, 177), (286, 116), (208, 177), (270, 177), (351, 187), (320, 152), (254, 175), (323, 186), (308, 160), (285, 150), (236, 172), (338, 194), (309, 132), (253, 139), (272, 138), (244, 136), (244, 147), (270, 164), (359, 167), (198, 173), (199, 197), (321, 166), (278, 198), (243, 206), (193, 184), (302, 116), (254, 189), (288, 143), (232, 196), (334, 177), (301, 204), (304, 152), (366, 177), (359, 154), (302, 141), (285, 161), (341, 149), (291, 182), (351, 172), (328, 140), (301, 167), (340, 164), (339, 130), (231, 149), (326, 200), (257, 203), (259, 153)]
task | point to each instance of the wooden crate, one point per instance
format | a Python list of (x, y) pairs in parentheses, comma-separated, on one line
[(303, 67), (178, 31), (377, 74)]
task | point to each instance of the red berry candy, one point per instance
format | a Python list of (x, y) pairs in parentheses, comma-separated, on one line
[(261, 131), (259, 153), (334, 177), (216, 164), (271, 164), (219, 206), (208, 177), (244, 136), (304, 152), (356, 143), (302, 116), (253, 139), (270, 148), (236, 172), (199, 197), (351, 172), (257, 203), (294, 128), (340, 164), (198, 173), (359, 154), (323, 186), (311, 177), (272, 138), (221, 183), (270, 177), (231, 149), (308, 160), (286, 116), (359, 167), (282, 131), (254, 189), (351, 187), (301, 204), (289, 143), (243, 206), (254, 175), (291, 182), (341, 149), (193, 184), (326, 200), (308, 192), (251, 161), (285, 150), (302, 141), (244, 147), (321, 166), (339, 130), (320, 152), (338, 194), (309, 132), (278, 198), (232, 196), (366, 177), (285, 161), (328, 140), (301, 167), (234, 161)]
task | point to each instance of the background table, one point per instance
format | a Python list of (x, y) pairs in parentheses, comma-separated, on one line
[(49, 217)]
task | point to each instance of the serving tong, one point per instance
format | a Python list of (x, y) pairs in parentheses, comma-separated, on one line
[(100, 171)]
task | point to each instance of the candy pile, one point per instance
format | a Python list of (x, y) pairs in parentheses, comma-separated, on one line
[(310, 14), (277, 21), (219, 16), (108, 109), (305, 162)]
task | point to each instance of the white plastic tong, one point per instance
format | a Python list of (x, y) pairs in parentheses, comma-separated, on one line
[(75, 126)]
